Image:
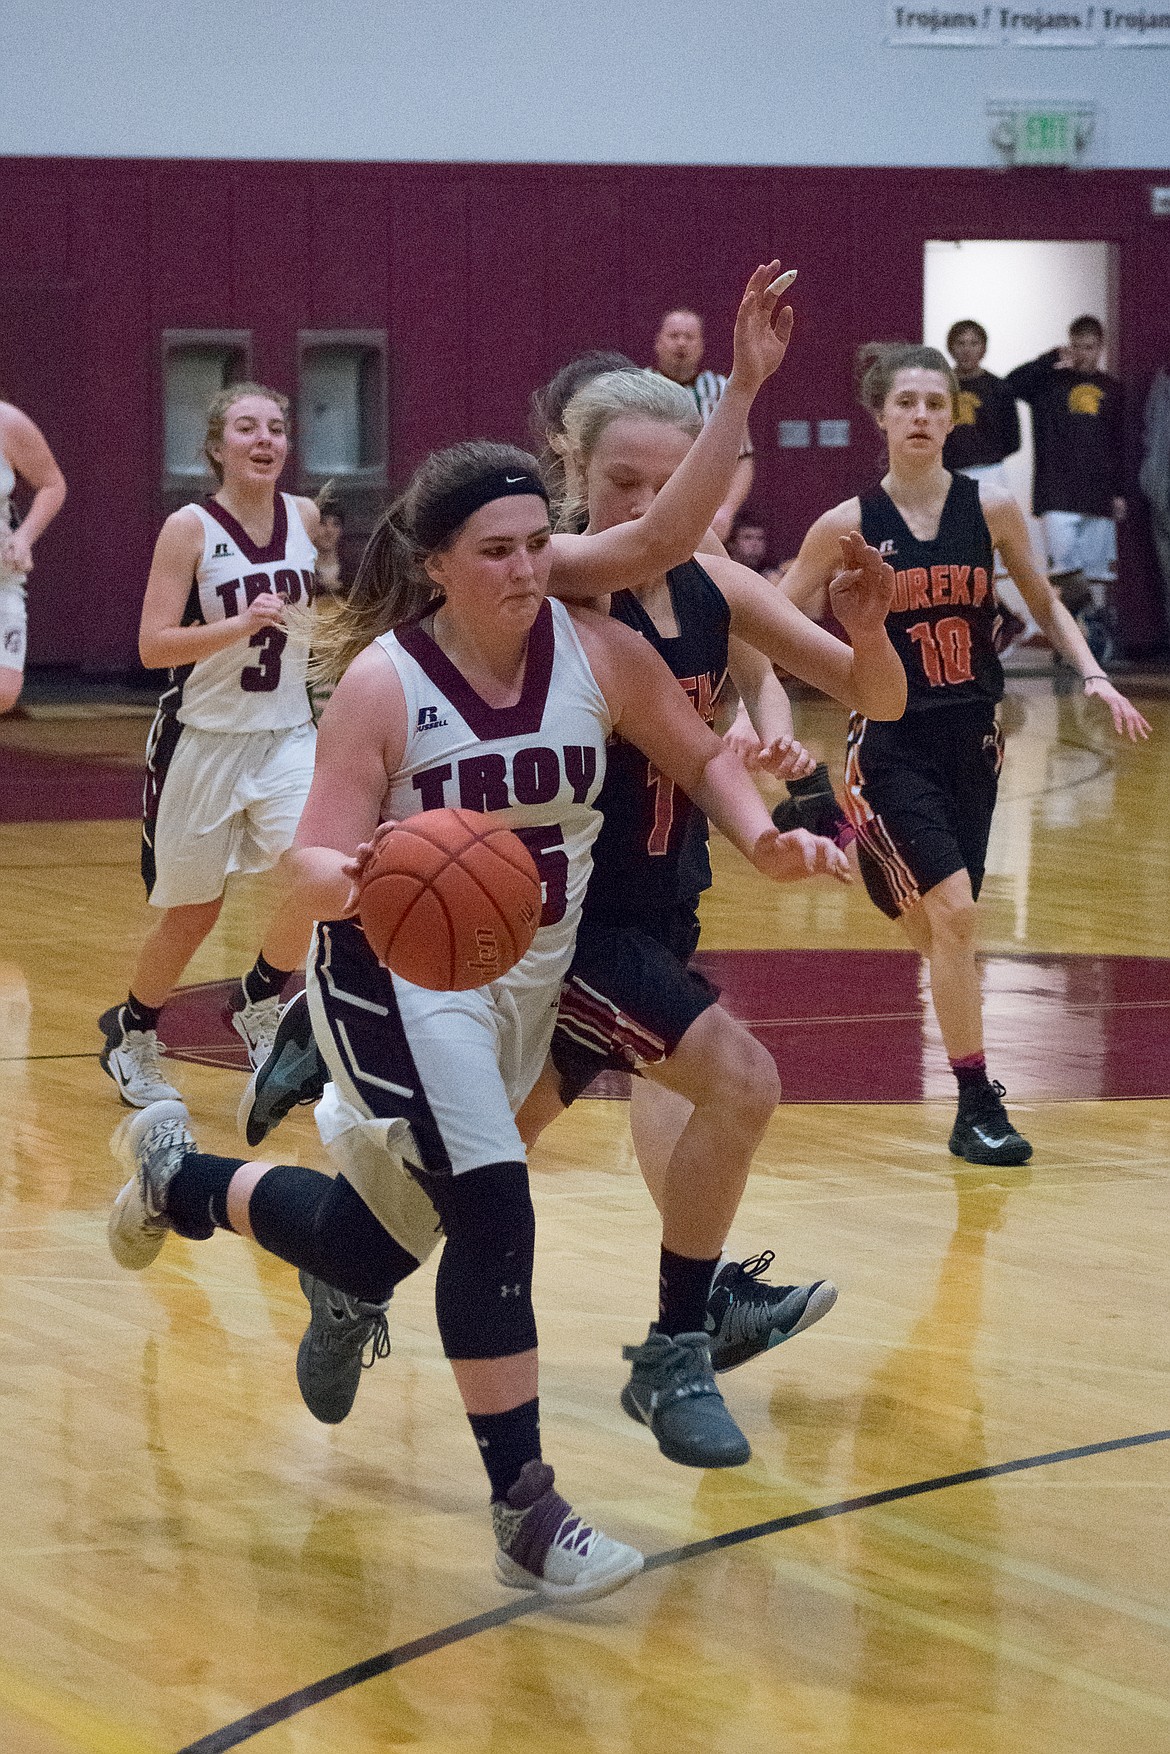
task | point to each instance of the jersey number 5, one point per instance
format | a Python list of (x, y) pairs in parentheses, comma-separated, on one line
[(552, 865), (945, 649), (264, 676)]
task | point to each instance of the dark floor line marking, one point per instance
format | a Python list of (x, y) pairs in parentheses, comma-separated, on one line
[(244, 1728), (27, 1059)]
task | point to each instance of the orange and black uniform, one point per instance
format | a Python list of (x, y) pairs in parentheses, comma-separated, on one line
[(630, 995), (920, 790)]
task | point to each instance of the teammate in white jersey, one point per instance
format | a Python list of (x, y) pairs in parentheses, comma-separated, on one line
[(24, 452), (230, 754), (529, 693)]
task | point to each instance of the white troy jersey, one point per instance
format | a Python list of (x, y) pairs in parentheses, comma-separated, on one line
[(540, 763), (256, 684)]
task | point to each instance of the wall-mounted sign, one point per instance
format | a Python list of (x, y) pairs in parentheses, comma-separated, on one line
[(794, 435), (1037, 132)]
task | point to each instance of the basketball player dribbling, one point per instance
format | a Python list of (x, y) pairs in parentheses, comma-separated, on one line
[(24, 453), (230, 754), (921, 792), (475, 690)]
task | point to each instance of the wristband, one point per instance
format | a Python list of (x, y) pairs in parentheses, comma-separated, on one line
[(1097, 676)]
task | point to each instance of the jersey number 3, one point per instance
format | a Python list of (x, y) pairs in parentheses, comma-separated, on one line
[(945, 650), (263, 677)]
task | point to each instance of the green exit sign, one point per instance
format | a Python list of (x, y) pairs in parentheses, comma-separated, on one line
[(1041, 133)]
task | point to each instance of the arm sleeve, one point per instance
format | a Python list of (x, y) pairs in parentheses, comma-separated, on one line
[(1027, 381)]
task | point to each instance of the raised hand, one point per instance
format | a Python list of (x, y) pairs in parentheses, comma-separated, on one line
[(1127, 721), (863, 591), (762, 331), (787, 858)]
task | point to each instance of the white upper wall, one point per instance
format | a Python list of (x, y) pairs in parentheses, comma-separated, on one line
[(604, 81)]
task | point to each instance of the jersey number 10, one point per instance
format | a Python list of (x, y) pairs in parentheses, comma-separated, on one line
[(945, 649)]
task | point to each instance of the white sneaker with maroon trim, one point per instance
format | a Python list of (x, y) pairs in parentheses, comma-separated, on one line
[(541, 1545)]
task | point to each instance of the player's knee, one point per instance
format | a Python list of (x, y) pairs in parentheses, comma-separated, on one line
[(758, 1079), (953, 921), (483, 1291), (746, 1084)]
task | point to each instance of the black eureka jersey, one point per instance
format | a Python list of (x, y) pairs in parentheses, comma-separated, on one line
[(643, 858), (945, 615)]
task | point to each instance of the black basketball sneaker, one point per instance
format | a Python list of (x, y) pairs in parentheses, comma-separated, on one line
[(982, 1132)]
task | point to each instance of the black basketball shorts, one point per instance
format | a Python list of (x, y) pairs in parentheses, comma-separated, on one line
[(629, 997), (920, 793)]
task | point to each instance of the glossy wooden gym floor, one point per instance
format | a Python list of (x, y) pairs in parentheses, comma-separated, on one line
[(183, 1546)]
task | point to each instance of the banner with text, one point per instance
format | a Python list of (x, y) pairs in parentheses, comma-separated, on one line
[(1027, 27)]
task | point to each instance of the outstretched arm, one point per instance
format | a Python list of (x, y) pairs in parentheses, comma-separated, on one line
[(1010, 535), (676, 523), (766, 742), (651, 711), (867, 675), (360, 744)]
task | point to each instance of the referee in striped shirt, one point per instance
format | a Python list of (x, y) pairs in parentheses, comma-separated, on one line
[(678, 354)]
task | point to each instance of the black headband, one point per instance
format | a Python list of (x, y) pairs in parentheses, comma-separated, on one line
[(454, 508)]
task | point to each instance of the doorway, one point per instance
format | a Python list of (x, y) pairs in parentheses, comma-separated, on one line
[(1025, 294)]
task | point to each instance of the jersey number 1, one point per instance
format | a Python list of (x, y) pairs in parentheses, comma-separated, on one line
[(945, 649)]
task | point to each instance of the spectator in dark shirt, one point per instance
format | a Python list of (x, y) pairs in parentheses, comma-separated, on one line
[(1078, 480), (987, 427)]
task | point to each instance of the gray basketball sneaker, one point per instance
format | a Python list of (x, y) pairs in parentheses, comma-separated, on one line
[(131, 1057), (332, 1354), (255, 1024), (672, 1389), (151, 1145), (292, 1072), (541, 1545), (747, 1316)]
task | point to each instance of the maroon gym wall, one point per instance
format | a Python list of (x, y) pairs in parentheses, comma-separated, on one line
[(486, 277)]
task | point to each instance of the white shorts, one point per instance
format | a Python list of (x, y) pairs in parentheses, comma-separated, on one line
[(435, 1079), (1078, 543), (13, 625), (217, 803)]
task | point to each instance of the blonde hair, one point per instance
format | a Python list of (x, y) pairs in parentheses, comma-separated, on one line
[(391, 585), (220, 406), (610, 397), (879, 362)]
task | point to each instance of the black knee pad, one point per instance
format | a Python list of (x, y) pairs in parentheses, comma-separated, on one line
[(483, 1292), (323, 1225)]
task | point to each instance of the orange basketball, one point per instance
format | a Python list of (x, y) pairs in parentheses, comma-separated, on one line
[(450, 900)]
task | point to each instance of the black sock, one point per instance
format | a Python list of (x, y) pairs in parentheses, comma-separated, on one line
[(684, 1286), (262, 981), (196, 1199), (816, 785), (971, 1077), (506, 1441), (136, 1015)]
